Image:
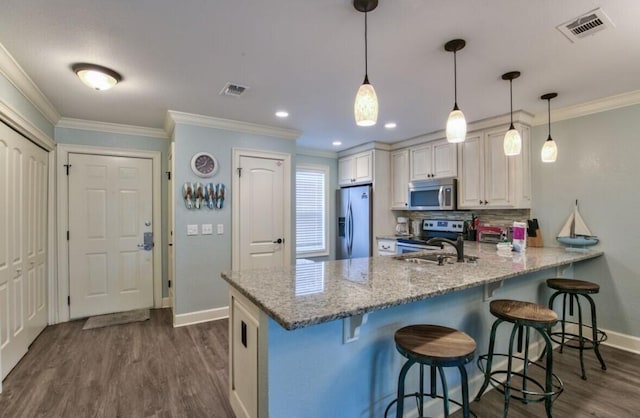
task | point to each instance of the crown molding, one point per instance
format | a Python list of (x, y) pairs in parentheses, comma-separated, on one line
[(115, 128), (21, 124), (14, 73), (310, 152), (175, 117), (588, 108)]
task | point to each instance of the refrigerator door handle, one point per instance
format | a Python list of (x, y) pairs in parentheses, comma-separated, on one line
[(350, 243)]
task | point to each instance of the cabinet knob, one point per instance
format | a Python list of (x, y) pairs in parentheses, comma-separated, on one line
[(480, 201), (485, 202)]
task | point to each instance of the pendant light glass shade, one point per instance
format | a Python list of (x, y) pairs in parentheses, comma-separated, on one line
[(456, 123), (512, 141), (365, 108), (549, 152), (456, 126)]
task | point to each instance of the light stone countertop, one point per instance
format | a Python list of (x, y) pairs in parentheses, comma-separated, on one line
[(306, 294)]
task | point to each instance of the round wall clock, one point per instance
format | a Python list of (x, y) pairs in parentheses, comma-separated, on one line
[(204, 164)]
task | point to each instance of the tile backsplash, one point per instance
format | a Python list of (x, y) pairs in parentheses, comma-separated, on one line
[(497, 217)]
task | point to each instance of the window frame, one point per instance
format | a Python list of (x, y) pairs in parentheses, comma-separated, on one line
[(325, 169)]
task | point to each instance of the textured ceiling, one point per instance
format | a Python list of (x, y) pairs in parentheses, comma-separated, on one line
[(308, 57)]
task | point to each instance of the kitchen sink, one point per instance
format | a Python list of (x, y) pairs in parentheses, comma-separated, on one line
[(439, 259)]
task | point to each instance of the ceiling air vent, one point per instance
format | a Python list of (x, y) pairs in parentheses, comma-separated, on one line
[(232, 89), (585, 25)]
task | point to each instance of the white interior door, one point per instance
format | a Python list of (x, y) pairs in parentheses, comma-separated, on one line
[(23, 245), (172, 221), (110, 210), (262, 213)]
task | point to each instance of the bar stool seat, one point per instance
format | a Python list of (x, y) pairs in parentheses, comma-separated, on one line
[(525, 316), (437, 347), (574, 289)]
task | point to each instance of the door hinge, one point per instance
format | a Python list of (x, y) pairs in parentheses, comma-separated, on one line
[(239, 171), (69, 300), (168, 175), (67, 235), (168, 283), (67, 166)]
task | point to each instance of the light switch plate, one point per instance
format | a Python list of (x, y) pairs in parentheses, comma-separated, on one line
[(207, 229), (192, 229), (220, 229)]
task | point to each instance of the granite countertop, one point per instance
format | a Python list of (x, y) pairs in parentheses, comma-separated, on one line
[(306, 294)]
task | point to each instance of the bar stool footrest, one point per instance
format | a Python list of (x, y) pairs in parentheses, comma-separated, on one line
[(527, 396), (425, 396), (572, 340)]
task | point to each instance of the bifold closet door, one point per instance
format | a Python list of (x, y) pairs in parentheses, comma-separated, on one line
[(23, 245)]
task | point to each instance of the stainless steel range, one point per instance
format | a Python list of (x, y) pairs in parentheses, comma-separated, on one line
[(431, 228)]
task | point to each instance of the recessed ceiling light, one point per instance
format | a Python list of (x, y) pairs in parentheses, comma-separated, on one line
[(282, 113), (390, 125), (336, 143), (96, 76)]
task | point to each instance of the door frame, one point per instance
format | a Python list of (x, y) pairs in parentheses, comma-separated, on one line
[(237, 153), (61, 286)]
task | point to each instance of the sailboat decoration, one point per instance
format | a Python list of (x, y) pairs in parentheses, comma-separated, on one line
[(576, 233)]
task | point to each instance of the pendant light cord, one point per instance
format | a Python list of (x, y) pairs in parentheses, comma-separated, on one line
[(455, 81), (366, 58), (511, 100), (549, 113)]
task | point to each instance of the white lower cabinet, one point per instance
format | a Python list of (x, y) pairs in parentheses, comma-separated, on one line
[(387, 246), (244, 328)]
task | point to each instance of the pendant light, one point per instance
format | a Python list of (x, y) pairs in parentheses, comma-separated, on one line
[(365, 108), (456, 124), (549, 151), (512, 141), (95, 76)]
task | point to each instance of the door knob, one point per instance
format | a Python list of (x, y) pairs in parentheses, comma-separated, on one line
[(278, 241)]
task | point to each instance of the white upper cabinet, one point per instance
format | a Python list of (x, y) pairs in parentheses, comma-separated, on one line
[(433, 160), (399, 179), (489, 179), (356, 169)]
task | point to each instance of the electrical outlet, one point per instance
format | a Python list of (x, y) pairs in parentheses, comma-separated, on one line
[(192, 229), (207, 229), (220, 229)]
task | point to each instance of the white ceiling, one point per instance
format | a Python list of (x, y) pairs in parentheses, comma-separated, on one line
[(308, 57)]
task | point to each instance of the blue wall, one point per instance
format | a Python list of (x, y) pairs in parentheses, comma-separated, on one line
[(12, 97), (200, 259), (598, 165)]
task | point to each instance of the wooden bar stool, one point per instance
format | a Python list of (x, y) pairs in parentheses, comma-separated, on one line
[(524, 316), (574, 289), (437, 347)]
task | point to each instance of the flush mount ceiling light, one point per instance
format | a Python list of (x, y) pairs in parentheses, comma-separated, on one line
[(512, 140), (365, 108), (95, 76), (549, 151), (456, 124)]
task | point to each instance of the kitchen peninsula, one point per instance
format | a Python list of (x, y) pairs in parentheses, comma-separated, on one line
[(316, 340)]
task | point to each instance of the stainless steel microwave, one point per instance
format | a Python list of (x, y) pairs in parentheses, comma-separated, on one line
[(432, 195)]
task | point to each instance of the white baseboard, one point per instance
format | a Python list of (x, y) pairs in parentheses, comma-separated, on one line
[(197, 317), (622, 341), (167, 302)]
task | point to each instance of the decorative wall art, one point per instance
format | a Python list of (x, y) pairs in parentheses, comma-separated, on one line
[(198, 195)]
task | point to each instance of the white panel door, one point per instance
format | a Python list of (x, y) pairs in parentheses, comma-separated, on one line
[(23, 250), (262, 215), (110, 208)]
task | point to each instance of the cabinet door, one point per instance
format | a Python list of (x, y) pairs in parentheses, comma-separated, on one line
[(244, 360), (346, 170), (471, 173), (445, 161), (420, 162), (497, 174), (399, 179), (364, 167)]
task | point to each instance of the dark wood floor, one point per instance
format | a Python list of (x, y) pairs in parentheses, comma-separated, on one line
[(143, 369), (149, 369)]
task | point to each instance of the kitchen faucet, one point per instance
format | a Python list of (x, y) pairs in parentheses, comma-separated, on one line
[(458, 244)]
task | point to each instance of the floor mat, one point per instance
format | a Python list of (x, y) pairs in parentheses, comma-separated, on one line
[(118, 318)]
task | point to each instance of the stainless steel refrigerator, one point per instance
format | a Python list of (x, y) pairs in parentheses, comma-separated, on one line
[(354, 222)]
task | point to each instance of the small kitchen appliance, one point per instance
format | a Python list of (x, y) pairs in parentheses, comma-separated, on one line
[(432, 195), (402, 226)]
